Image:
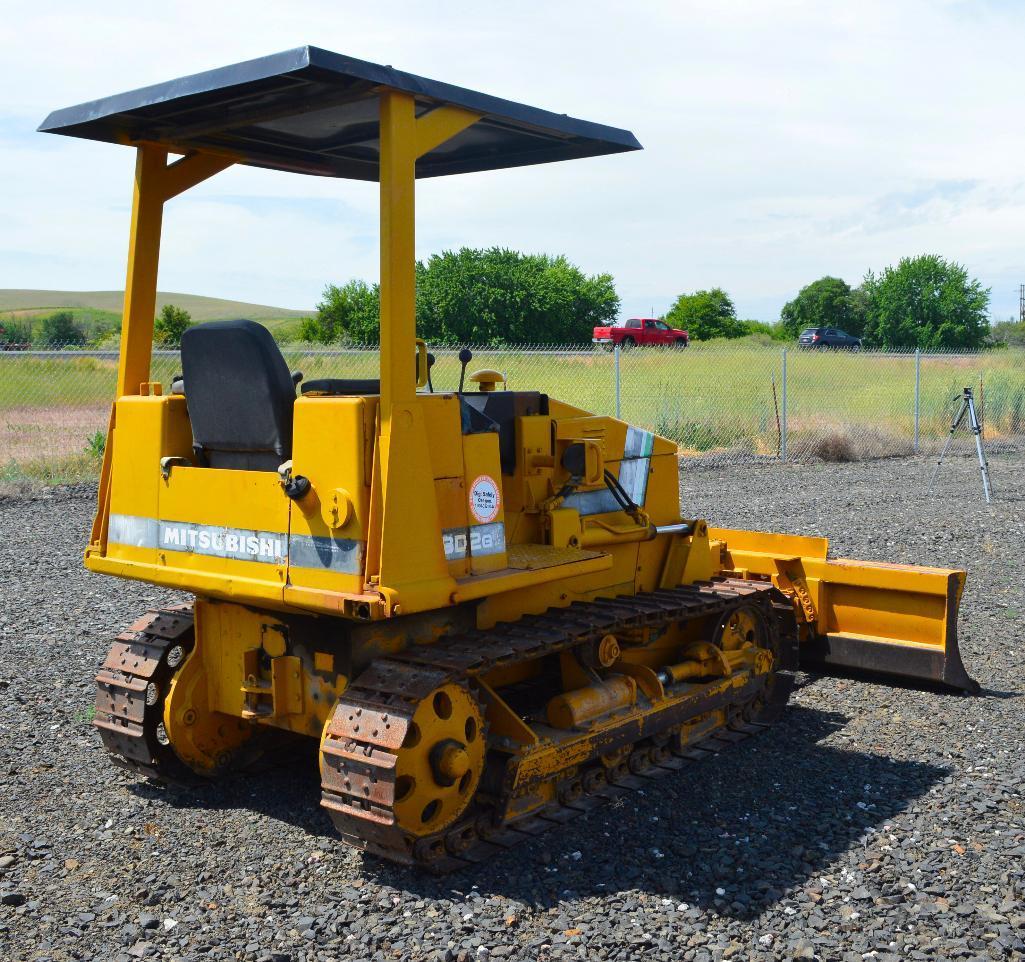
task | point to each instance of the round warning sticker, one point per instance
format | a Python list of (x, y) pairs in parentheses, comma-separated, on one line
[(485, 499)]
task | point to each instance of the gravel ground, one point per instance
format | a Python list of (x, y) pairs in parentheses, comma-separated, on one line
[(872, 822)]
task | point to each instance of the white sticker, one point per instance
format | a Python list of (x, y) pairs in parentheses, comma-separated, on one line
[(485, 499)]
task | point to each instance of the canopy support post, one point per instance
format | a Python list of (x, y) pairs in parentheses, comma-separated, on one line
[(405, 554), (155, 183), (141, 282)]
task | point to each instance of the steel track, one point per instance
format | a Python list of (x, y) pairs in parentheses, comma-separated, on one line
[(370, 721), (129, 723)]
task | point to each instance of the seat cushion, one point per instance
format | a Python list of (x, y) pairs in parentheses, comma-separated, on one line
[(340, 387)]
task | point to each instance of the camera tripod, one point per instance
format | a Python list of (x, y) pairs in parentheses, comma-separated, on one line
[(967, 408)]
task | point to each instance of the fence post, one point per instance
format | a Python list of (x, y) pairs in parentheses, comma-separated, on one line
[(918, 391), (783, 429), (615, 351)]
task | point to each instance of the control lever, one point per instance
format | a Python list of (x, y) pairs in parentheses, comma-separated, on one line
[(465, 356), (430, 363)]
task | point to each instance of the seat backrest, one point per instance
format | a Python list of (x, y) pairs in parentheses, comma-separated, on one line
[(239, 394)]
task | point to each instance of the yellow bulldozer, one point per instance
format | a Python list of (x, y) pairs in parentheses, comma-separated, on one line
[(485, 605)]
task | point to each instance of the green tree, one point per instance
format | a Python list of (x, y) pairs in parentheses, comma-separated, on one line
[(1009, 333), (705, 315), (61, 330), (171, 324), (827, 302), (350, 313), (925, 302), (497, 296)]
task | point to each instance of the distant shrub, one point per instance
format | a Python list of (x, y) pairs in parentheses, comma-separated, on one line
[(61, 330), (833, 446), (839, 443), (171, 324), (103, 329), (14, 332), (772, 332), (1007, 334)]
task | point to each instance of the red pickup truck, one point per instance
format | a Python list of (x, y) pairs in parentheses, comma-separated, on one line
[(640, 330)]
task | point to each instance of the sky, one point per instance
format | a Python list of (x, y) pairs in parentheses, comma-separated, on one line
[(783, 141)]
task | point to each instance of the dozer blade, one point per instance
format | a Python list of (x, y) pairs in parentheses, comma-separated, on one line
[(887, 619)]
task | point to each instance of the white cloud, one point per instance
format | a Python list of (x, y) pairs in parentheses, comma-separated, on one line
[(783, 141)]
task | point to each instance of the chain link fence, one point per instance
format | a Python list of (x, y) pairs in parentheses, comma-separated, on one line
[(722, 402), (737, 402)]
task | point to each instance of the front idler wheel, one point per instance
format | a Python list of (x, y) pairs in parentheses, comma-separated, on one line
[(439, 765)]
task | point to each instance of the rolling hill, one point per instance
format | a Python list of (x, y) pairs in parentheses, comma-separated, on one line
[(28, 303)]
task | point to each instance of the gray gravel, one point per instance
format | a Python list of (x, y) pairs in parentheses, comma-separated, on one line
[(873, 822)]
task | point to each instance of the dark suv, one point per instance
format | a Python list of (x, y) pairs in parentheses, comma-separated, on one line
[(828, 337)]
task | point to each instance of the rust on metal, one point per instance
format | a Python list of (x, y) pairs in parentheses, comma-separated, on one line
[(373, 716), (129, 726)]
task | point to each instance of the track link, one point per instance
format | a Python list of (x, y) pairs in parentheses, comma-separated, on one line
[(131, 687), (372, 718)]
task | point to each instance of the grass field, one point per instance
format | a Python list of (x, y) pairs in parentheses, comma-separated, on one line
[(718, 399), (727, 397)]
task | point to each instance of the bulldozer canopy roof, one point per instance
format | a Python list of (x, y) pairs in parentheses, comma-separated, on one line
[(312, 111)]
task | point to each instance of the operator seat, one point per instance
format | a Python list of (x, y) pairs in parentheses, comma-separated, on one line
[(239, 394)]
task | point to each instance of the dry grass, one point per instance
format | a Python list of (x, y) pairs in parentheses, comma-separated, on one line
[(24, 477), (834, 446), (54, 433), (837, 443)]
